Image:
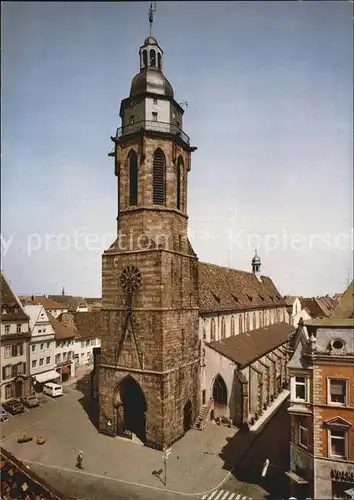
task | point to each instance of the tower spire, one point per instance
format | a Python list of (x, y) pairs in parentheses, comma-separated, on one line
[(152, 9)]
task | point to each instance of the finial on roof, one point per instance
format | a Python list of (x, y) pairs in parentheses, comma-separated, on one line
[(152, 9), (62, 291)]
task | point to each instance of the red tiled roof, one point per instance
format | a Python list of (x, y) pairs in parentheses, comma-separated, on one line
[(247, 347), (61, 331), (86, 325), (225, 289), (46, 302)]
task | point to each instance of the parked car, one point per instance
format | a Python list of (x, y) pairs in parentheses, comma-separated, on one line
[(13, 407), (4, 417), (30, 401), (52, 389)]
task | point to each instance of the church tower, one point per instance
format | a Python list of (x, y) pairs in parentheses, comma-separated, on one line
[(149, 380)]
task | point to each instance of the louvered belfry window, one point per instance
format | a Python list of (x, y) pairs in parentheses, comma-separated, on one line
[(178, 181), (133, 178), (158, 178)]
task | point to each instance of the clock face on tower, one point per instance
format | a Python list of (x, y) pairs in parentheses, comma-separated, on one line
[(130, 279)]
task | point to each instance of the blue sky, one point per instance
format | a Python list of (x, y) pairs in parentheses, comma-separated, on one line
[(269, 91)]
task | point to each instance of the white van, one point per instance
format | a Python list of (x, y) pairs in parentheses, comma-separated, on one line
[(53, 390)]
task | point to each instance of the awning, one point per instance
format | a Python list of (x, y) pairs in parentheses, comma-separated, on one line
[(65, 370), (45, 377), (296, 478)]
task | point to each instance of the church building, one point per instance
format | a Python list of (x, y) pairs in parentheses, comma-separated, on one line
[(183, 341)]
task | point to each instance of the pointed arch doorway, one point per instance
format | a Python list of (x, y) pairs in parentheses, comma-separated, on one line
[(187, 416), (219, 397), (131, 409)]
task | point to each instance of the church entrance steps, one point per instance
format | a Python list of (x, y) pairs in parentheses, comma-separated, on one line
[(200, 422)]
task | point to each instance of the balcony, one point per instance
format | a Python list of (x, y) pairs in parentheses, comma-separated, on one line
[(166, 128)]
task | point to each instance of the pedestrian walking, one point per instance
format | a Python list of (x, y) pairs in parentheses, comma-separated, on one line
[(80, 459)]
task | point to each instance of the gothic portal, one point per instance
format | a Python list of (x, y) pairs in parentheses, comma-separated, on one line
[(150, 355)]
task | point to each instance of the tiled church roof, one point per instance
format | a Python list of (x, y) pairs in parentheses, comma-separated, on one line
[(225, 289), (247, 347)]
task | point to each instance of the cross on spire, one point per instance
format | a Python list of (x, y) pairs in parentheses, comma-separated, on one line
[(152, 9)]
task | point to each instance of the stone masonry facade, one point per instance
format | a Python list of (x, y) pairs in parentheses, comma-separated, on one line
[(163, 354)]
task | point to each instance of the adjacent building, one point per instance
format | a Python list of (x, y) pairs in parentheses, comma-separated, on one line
[(87, 329), (295, 310), (72, 304), (42, 347), (15, 336), (321, 407), (54, 308), (64, 349)]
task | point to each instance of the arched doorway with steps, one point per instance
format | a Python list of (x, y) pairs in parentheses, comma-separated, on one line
[(131, 407)]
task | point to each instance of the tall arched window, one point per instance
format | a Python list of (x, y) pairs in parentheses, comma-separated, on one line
[(248, 321), (152, 58), (254, 322), (179, 173), (219, 391), (159, 60), (223, 328), (158, 177), (133, 177), (145, 58), (212, 330), (232, 325), (261, 319), (240, 324)]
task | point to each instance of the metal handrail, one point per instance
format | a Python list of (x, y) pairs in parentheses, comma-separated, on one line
[(164, 127)]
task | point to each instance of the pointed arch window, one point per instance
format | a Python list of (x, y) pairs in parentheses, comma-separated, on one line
[(133, 178), (158, 177), (254, 325), (152, 58), (261, 319), (219, 391), (212, 330), (232, 325), (240, 324), (248, 326), (179, 173), (223, 328), (145, 58)]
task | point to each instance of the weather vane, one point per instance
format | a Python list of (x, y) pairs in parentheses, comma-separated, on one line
[(152, 9)]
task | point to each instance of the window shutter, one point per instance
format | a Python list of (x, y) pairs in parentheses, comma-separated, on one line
[(13, 351), (133, 178), (14, 370), (158, 178), (4, 372)]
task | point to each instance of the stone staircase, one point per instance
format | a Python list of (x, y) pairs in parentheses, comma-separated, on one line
[(200, 422)]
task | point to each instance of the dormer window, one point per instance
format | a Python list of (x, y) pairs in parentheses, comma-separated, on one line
[(262, 298), (337, 344), (249, 297)]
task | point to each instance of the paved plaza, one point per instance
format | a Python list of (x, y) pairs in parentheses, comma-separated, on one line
[(194, 467)]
